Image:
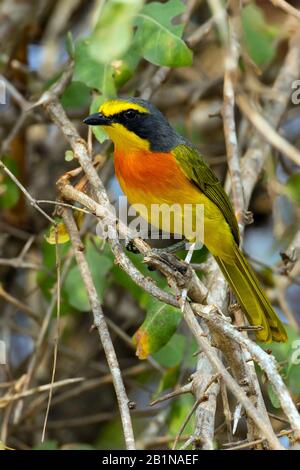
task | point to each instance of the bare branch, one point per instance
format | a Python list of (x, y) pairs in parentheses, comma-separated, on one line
[(266, 362), (204, 344), (101, 326), (230, 79), (202, 398), (267, 131), (287, 7), (178, 391)]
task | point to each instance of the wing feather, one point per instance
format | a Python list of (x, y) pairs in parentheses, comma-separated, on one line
[(198, 171)]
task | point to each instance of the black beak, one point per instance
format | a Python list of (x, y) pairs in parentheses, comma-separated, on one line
[(97, 119)]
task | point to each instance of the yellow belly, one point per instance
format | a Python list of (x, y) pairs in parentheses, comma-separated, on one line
[(185, 213)]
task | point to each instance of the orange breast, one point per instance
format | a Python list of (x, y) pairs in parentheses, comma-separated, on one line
[(153, 177)]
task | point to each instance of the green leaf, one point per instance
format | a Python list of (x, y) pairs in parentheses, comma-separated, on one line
[(69, 155), (76, 95), (168, 380), (122, 278), (76, 291), (159, 326), (113, 32), (47, 445), (49, 255), (258, 35), (178, 351), (293, 187), (90, 72), (180, 408), (293, 367), (100, 265), (111, 436), (9, 191), (46, 278), (98, 131), (106, 59), (124, 68), (273, 396), (293, 378), (171, 355), (158, 38), (77, 446), (283, 351), (70, 45), (288, 355)]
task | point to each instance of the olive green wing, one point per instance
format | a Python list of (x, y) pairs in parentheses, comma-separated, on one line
[(197, 170)]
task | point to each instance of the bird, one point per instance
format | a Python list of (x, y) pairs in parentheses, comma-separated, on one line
[(156, 165)]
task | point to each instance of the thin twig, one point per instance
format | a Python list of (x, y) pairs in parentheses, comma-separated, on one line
[(226, 410), (230, 79), (25, 192), (199, 400), (266, 362), (177, 392), (267, 131), (42, 388), (230, 382), (101, 326), (246, 445), (55, 351), (34, 360), (19, 305), (287, 7)]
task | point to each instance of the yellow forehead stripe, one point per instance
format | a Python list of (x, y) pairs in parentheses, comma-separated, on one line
[(109, 108)]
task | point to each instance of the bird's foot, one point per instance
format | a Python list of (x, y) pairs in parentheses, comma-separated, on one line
[(171, 248), (130, 246)]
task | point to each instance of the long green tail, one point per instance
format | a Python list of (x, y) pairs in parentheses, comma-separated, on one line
[(252, 298)]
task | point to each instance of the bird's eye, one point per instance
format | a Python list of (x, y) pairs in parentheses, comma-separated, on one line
[(130, 114)]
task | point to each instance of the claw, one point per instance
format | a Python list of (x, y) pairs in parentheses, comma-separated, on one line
[(129, 245)]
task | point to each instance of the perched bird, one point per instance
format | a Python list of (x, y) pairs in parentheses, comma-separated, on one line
[(155, 165)]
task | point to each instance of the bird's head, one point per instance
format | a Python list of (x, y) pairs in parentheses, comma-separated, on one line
[(135, 123)]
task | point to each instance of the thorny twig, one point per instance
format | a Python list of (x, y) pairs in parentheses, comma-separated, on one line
[(266, 362), (230, 382)]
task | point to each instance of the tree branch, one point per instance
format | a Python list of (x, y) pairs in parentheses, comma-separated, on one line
[(101, 326), (266, 362)]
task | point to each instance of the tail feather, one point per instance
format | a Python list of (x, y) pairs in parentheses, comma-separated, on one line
[(252, 298)]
